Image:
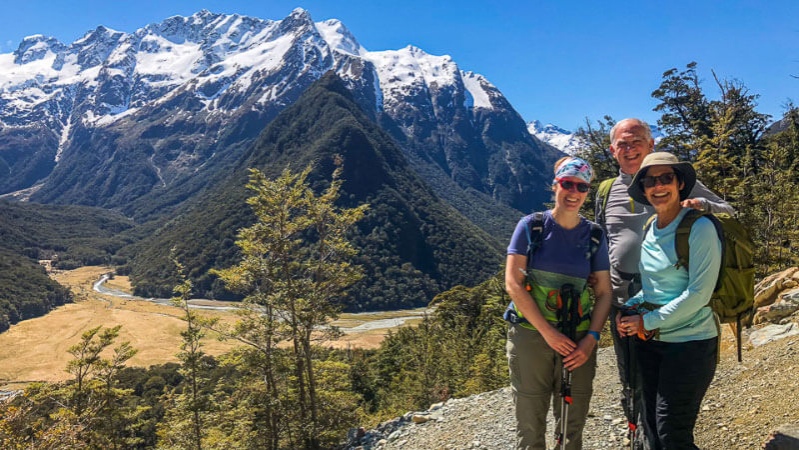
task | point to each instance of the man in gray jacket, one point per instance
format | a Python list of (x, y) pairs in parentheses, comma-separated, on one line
[(623, 220)]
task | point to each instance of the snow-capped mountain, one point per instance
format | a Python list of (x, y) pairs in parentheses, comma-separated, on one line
[(563, 140), (115, 116)]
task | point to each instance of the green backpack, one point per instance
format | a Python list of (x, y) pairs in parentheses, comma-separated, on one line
[(733, 298), (602, 193)]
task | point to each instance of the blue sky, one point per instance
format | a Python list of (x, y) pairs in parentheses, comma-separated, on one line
[(556, 61)]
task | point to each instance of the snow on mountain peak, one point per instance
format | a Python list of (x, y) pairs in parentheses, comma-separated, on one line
[(548, 128), (36, 47), (399, 70), (99, 34), (475, 86), (563, 140), (339, 37), (298, 19), (210, 54)]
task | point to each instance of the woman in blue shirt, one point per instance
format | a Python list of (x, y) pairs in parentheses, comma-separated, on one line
[(537, 349), (677, 357)]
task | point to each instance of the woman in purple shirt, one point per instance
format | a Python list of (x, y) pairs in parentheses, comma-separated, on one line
[(537, 347)]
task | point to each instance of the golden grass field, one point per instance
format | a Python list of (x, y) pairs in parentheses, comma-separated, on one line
[(37, 349)]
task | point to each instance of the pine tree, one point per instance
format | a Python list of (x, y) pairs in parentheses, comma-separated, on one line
[(773, 194)]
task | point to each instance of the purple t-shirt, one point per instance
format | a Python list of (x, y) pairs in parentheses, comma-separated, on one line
[(562, 251)]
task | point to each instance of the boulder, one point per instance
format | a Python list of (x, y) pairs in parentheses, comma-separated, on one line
[(772, 333), (786, 304), (767, 290)]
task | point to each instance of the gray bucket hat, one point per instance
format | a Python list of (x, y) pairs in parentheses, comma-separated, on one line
[(685, 172)]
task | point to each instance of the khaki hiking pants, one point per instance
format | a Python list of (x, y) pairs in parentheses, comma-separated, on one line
[(535, 377)]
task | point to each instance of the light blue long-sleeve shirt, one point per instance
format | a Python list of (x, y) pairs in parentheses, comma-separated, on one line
[(684, 294), (624, 220)]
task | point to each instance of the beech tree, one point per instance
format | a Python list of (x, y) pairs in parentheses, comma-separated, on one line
[(295, 272), (686, 112), (721, 137), (187, 410), (88, 411), (595, 147)]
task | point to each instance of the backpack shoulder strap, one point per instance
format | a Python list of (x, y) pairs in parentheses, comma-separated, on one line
[(535, 233), (681, 237), (649, 222), (602, 194), (597, 234), (684, 231)]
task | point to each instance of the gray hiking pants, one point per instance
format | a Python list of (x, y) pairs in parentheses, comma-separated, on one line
[(535, 377)]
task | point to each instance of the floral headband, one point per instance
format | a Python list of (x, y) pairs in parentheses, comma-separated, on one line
[(574, 167)]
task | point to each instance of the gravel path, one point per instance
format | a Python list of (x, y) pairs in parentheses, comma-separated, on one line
[(739, 411)]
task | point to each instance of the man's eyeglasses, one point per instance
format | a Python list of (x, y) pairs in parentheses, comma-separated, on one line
[(665, 179), (569, 185), (628, 145)]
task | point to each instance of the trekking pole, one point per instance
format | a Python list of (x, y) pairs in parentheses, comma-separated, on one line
[(569, 318), (566, 401), (631, 387)]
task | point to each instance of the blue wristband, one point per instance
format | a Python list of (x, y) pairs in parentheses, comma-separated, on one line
[(595, 334)]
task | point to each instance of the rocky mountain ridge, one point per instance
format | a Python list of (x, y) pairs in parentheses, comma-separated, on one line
[(181, 97)]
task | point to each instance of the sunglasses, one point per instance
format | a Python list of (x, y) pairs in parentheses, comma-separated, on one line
[(664, 179), (569, 185)]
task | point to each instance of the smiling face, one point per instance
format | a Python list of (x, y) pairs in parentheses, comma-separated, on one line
[(570, 199), (662, 196), (630, 145)]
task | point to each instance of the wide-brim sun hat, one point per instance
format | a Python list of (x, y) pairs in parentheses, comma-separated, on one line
[(685, 170)]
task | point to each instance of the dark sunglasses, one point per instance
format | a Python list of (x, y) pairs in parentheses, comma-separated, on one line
[(665, 179), (569, 185)]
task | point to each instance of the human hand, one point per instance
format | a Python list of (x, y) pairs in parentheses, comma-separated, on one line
[(629, 325), (559, 342), (621, 329), (581, 354), (694, 203)]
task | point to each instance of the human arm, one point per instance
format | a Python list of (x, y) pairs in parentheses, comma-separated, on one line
[(704, 199), (599, 314), (515, 268)]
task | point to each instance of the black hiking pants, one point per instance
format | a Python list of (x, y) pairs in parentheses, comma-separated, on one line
[(675, 378)]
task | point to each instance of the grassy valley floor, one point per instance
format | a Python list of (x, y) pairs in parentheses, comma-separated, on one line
[(37, 349)]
